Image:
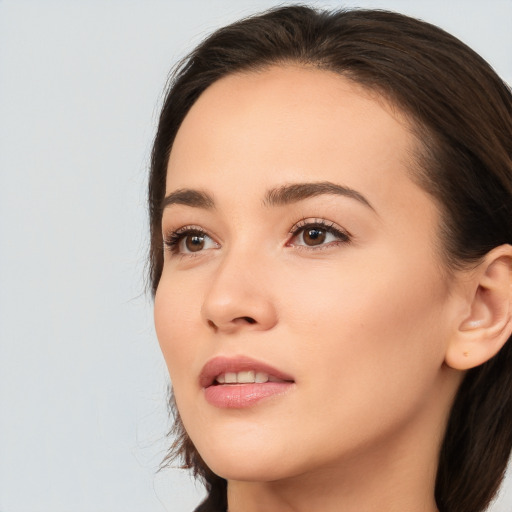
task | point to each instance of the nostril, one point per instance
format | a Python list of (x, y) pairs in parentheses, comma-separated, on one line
[(238, 321), (248, 319)]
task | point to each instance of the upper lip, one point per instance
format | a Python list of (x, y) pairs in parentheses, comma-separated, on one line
[(219, 365)]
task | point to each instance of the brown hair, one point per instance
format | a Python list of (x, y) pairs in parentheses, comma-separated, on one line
[(462, 113)]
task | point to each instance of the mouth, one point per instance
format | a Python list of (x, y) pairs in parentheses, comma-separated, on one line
[(241, 382), (239, 370), (245, 377)]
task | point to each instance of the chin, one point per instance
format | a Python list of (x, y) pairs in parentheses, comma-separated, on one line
[(244, 461), (247, 470)]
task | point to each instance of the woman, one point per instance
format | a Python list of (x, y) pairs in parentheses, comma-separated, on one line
[(331, 220)]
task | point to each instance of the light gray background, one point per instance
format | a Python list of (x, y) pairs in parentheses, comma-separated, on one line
[(82, 393)]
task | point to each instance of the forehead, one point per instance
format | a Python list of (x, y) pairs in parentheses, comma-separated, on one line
[(249, 132)]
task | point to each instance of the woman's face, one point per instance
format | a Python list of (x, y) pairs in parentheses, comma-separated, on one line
[(299, 249)]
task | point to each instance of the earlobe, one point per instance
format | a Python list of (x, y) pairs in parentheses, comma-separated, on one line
[(488, 325)]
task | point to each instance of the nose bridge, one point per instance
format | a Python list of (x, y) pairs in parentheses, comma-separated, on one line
[(239, 294)]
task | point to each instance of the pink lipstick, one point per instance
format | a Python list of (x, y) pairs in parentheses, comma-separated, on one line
[(240, 382)]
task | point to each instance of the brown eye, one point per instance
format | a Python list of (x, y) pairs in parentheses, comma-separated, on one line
[(188, 241), (314, 236), (317, 235), (194, 243)]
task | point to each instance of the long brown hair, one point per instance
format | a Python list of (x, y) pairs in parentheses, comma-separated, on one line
[(462, 113)]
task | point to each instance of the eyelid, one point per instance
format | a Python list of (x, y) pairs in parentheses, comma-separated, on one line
[(331, 227), (173, 238)]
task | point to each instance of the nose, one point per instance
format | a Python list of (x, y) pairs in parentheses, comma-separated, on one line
[(239, 297)]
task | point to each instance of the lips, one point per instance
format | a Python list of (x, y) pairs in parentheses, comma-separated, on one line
[(241, 382), (224, 366)]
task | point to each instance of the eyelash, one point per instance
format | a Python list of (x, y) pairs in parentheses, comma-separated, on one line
[(173, 239), (329, 227)]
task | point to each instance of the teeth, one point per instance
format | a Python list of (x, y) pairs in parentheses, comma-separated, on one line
[(245, 377), (230, 378)]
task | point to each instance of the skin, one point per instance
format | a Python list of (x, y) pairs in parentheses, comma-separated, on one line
[(363, 326)]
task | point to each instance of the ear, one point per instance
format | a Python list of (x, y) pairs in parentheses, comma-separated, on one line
[(487, 323)]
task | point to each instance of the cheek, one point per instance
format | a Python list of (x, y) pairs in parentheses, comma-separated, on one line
[(176, 311), (358, 299), (369, 351), (370, 332)]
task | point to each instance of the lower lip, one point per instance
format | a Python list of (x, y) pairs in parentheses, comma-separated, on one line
[(239, 396)]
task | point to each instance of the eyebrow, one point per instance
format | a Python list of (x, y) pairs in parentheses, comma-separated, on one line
[(280, 196), (299, 191), (189, 197)]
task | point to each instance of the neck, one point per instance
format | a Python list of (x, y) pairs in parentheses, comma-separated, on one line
[(352, 489)]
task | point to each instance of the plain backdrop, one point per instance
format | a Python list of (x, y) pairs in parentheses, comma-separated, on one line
[(82, 382)]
